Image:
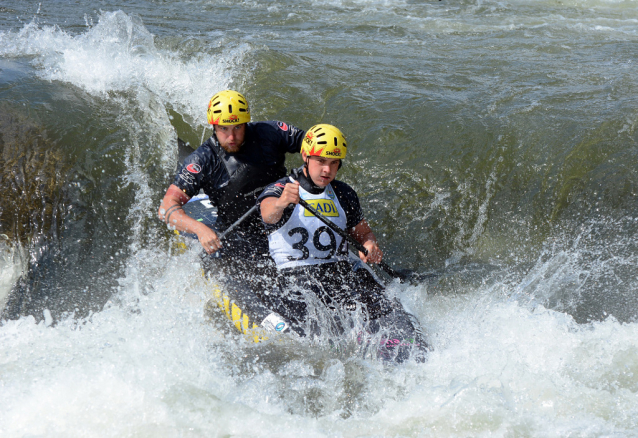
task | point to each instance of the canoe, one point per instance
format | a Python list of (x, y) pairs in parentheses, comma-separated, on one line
[(251, 317)]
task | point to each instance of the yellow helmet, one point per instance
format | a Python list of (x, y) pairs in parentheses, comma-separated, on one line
[(228, 107), (324, 141)]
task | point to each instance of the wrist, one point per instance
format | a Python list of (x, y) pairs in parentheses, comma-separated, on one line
[(280, 205), (200, 228)]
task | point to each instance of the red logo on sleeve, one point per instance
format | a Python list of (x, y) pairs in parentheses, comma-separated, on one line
[(282, 126), (194, 168)]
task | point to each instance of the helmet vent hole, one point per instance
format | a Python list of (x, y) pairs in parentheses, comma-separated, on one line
[(242, 110), (336, 141), (230, 109), (322, 142), (216, 103)]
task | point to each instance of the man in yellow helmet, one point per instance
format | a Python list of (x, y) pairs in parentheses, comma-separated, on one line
[(312, 259), (232, 167)]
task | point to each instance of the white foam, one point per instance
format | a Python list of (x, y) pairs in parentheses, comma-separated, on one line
[(12, 266), (498, 366), (150, 363), (118, 54)]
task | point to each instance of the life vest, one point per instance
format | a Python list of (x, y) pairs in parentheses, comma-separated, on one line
[(246, 181), (305, 240)]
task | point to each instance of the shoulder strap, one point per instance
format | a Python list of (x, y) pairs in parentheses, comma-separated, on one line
[(230, 162)]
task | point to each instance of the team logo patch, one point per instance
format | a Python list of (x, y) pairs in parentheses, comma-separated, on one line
[(331, 193), (282, 126), (279, 327), (324, 206), (194, 168), (187, 177)]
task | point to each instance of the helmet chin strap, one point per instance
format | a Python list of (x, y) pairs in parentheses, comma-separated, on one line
[(312, 183), (309, 178)]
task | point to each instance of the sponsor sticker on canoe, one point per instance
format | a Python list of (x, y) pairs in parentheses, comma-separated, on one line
[(274, 322), (326, 207)]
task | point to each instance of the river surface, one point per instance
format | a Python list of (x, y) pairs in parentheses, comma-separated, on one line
[(492, 143)]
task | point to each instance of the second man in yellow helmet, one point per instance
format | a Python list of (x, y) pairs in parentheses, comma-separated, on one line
[(313, 261)]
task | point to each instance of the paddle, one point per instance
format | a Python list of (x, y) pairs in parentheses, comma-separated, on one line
[(237, 222), (351, 240)]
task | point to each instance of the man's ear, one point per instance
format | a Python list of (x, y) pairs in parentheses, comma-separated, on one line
[(304, 156)]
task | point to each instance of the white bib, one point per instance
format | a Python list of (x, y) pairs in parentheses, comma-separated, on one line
[(304, 239)]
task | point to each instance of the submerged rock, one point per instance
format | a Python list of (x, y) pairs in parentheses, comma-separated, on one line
[(31, 209)]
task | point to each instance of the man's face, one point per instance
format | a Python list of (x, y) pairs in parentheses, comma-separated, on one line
[(321, 170), (230, 137)]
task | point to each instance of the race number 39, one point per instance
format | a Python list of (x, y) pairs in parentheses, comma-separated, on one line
[(318, 249)]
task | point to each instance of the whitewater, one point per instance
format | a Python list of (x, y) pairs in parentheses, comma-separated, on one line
[(492, 143)]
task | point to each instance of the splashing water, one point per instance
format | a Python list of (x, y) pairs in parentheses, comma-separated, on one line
[(499, 137)]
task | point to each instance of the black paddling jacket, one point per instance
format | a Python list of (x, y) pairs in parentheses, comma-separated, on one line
[(233, 181)]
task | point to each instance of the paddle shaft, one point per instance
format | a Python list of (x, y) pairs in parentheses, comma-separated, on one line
[(237, 222), (348, 237), (330, 224)]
